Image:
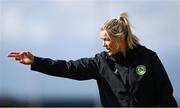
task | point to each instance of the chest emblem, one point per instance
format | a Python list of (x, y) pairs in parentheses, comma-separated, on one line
[(141, 69)]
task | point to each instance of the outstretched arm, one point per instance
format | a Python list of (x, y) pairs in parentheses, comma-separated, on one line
[(81, 69)]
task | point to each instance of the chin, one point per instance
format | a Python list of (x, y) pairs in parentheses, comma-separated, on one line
[(109, 53)]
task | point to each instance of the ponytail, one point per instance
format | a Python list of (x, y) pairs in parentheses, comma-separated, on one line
[(131, 39)]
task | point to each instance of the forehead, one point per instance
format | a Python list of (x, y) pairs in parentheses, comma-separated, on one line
[(104, 34)]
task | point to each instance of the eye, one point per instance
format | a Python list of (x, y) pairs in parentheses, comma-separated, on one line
[(106, 39)]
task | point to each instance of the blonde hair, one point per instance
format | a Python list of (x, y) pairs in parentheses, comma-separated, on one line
[(120, 25)]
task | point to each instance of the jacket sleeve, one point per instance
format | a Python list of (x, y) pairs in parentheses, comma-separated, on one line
[(163, 84), (81, 69)]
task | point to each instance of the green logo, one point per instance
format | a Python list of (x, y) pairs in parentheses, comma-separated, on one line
[(141, 69)]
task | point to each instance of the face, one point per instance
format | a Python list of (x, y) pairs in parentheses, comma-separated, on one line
[(111, 44)]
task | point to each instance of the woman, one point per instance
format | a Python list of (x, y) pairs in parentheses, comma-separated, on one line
[(128, 74)]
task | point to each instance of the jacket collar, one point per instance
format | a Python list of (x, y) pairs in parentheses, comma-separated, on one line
[(130, 54)]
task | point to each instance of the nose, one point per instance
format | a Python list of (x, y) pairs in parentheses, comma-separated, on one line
[(104, 44)]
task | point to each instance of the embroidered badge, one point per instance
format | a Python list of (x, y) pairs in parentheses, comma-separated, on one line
[(141, 69)]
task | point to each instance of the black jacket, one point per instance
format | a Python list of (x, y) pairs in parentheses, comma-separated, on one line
[(137, 80)]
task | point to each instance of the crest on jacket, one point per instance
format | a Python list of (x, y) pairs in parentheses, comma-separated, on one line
[(141, 69)]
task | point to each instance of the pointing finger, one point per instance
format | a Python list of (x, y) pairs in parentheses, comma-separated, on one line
[(12, 55), (14, 52)]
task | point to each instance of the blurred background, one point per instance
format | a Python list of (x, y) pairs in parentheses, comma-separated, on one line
[(69, 29)]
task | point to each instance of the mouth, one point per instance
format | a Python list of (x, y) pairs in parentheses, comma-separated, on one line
[(108, 50)]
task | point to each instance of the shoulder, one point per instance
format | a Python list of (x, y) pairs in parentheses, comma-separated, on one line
[(146, 54), (102, 54), (146, 51)]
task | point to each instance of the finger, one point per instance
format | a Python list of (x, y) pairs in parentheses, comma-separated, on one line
[(21, 61), (14, 52), (12, 55), (17, 58), (22, 54)]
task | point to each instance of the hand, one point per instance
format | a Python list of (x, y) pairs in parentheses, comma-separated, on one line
[(23, 57)]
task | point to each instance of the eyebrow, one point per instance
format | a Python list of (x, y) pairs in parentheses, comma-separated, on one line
[(105, 38)]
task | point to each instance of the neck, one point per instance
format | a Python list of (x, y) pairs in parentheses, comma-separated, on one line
[(123, 49)]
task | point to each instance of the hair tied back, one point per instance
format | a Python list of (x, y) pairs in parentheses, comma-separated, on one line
[(123, 16)]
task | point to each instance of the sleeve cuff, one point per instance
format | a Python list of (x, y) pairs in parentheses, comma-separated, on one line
[(36, 63)]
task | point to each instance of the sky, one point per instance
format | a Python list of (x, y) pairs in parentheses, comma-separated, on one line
[(69, 30)]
